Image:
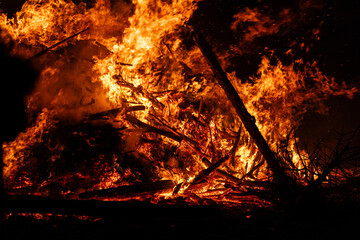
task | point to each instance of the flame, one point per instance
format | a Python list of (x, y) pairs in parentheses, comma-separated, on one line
[(16, 154), (133, 55), (260, 24)]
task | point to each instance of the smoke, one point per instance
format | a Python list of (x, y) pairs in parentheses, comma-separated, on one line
[(67, 85)]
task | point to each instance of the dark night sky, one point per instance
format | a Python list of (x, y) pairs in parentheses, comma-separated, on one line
[(337, 51)]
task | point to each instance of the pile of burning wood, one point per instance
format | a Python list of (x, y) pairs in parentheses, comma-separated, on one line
[(132, 119), (93, 148)]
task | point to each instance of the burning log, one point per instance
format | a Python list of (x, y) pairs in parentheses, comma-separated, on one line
[(130, 190), (203, 174), (246, 118)]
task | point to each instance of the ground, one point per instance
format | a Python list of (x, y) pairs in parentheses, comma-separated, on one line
[(323, 220)]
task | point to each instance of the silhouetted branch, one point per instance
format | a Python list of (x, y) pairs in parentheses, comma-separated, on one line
[(287, 183), (39, 54)]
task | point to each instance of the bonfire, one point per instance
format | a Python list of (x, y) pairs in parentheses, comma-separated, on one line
[(135, 102)]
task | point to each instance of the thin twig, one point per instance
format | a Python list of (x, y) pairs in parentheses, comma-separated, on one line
[(234, 148), (39, 54)]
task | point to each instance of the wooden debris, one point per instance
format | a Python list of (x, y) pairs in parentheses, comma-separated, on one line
[(135, 108), (192, 143), (338, 154)]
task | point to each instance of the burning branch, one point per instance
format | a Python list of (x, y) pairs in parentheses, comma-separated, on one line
[(209, 170), (244, 115), (148, 128), (114, 112), (223, 174), (39, 54), (203, 174)]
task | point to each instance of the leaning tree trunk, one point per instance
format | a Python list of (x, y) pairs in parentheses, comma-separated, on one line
[(286, 183)]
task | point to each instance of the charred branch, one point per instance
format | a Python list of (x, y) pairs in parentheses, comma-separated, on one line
[(125, 64), (130, 190), (339, 155), (246, 118), (114, 112), (39, 54), (222, 173), (198, 178), (148, 128), (203, 174), (190, 141), (171, 133), (234, 148), (104, 114), (250, 172), (92, 101)]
